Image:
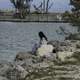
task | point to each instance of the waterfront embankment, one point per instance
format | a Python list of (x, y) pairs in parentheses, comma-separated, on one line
[(52, 17)]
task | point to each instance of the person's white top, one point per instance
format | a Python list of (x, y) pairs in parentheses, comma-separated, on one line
[(44, 49)]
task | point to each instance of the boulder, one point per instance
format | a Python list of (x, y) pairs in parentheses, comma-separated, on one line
[(4, 66), (62, 56), (16, 72), (76, 55), (73, 37), (54, 43), (24, 55), (3, 78)]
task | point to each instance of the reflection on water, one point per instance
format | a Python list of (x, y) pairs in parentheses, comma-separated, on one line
[(15, 37)]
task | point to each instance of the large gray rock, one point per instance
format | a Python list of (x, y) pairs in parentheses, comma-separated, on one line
[(16, 72), (23, 55), (3, 78), (73, 37), (62, 56), (4, 66)]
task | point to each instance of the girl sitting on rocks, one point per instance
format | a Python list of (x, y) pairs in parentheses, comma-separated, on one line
[(43, 49)]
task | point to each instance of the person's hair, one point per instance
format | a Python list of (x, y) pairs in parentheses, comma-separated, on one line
[(41, 35)]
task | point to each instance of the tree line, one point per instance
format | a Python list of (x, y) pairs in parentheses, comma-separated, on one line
[(22, 7), (75, 19), (73, 16)]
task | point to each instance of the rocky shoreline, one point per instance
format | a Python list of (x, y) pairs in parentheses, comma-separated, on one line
[(64, 66)]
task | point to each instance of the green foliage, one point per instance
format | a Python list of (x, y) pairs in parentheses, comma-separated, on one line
[(66, 15), (75, 18), (75, 4)]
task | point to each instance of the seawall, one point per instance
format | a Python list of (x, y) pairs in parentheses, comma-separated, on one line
[(33, 18)]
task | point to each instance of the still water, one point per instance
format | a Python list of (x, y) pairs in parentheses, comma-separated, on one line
[(16, 37)]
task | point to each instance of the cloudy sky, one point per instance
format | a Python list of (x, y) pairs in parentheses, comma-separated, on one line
[(58, 5)]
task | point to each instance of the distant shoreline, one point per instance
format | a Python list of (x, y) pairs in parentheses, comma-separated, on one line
[(52, 18), (24, 20)]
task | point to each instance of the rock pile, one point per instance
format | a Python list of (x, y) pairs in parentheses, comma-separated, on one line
[(63, 65)]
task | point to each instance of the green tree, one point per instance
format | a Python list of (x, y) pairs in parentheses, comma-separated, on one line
[(75, 18), (22, 7), (66, 15)]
